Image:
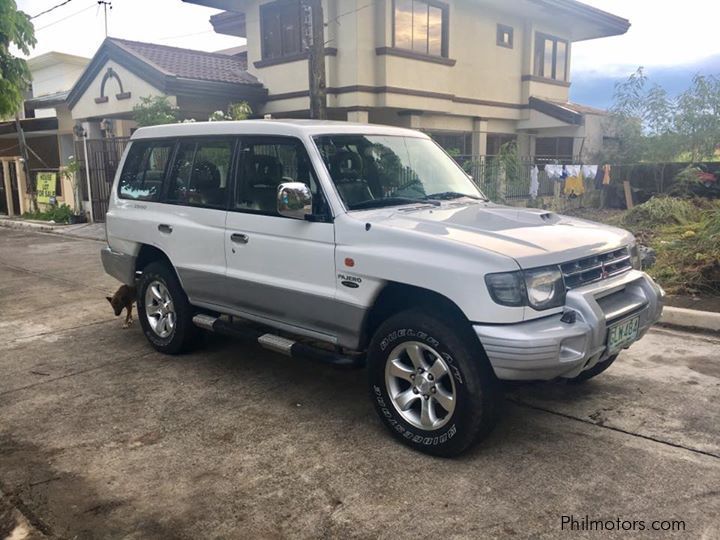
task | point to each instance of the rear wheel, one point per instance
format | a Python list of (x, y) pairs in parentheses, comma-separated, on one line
[(431, 383), (594, 371), (164, 311)]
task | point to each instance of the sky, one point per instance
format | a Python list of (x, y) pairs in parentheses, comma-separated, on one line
[(663, 33)]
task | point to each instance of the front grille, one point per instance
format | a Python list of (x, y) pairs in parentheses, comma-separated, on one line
[(596, 268)]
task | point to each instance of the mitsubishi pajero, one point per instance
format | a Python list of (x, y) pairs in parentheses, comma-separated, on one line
[(368, 245)]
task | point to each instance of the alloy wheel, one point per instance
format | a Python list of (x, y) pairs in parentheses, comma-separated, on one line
[(159, 309), (420, 385)]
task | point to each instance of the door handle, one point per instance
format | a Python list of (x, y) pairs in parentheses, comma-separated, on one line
[(239, 238), (164, 228)]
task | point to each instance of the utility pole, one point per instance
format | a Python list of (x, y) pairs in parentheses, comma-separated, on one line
[(105, 6), (314, 40), (29, 185)]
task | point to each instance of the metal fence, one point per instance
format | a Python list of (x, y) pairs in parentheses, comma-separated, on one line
[(502, 181), (510, 181)]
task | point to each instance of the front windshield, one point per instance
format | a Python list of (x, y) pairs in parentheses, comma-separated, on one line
[(372, 171)]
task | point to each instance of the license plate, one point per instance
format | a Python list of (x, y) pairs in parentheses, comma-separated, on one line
[(622, 334)]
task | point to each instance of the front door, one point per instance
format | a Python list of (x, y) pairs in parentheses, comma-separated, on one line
[(279, 269)]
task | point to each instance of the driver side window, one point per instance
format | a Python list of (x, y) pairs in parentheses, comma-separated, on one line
[(265, 163)]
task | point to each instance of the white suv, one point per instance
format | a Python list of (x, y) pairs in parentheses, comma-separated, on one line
[(352, 244)]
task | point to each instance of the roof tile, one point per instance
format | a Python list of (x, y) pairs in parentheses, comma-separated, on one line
[(190, 64)]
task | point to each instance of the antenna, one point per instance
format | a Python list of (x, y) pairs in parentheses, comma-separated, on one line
[(105, 4)]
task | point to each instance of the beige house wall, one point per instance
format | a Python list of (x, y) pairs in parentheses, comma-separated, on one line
[(87, 108), (483, 71), (483, 92)]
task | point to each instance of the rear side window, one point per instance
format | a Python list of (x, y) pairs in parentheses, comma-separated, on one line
[(144, 170), (200, 173)]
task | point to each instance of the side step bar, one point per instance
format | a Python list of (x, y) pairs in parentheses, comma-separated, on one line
[(273, 342)]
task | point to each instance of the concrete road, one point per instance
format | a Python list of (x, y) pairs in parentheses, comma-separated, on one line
[(101, 437)]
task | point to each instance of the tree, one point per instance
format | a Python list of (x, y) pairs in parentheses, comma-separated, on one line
[(698, 117), (15, 29), (154, 111), (651, 126)]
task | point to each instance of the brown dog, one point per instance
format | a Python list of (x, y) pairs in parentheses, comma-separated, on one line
[(123, 298)]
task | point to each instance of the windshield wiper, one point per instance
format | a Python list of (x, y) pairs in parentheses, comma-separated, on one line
[(447, 195), (390, 201)]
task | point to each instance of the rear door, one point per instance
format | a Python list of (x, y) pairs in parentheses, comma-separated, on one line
[(191, 228), (278, 268)]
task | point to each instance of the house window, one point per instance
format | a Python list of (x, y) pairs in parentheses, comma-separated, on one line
[(554, 148), (551, 57), (280, 28), (495, 141), (455, 143), (505, 36), (421, 26)]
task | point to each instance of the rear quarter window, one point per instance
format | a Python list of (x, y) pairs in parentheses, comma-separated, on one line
[(144, 170)]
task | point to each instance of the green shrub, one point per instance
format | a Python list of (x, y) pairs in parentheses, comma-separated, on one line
[(661, 211), (58, 214)]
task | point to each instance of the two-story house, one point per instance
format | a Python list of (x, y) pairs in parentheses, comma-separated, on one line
[(473, 73)]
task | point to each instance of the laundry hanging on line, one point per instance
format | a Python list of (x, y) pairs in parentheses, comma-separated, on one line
[(534, 183)]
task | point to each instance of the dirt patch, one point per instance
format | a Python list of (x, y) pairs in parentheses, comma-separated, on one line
[(700, 303)]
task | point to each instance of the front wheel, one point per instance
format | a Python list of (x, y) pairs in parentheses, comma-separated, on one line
[(164, 311), (431, 383)]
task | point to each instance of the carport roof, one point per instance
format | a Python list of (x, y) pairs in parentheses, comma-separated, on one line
[(570, 113), (174, 70)]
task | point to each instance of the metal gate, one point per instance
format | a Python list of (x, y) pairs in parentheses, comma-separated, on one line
[(103, 160), (15, 187)]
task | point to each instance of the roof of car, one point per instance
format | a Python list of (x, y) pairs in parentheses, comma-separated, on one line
[(269, 127)]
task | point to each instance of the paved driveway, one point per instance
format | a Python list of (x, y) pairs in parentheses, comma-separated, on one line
[(101, 437)]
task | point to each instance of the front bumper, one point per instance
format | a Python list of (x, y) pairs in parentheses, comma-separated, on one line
[(547, 348), (119, 265)]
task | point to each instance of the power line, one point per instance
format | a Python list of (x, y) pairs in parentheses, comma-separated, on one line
[(61, 4), (64, 18), (185, 35)]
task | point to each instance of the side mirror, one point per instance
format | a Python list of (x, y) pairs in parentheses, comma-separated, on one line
[(294, 200)]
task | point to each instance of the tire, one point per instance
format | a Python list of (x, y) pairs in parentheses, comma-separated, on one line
[(456, 365), (594, 371), (157, 285)]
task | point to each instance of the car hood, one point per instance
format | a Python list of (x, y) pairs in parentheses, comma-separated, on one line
[(532, 237)]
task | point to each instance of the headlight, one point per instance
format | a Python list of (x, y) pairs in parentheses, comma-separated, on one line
[(507, 288), (545, 287), (635, 257), (539, 288)]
